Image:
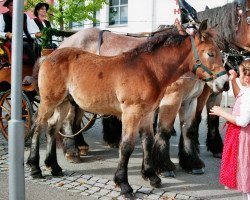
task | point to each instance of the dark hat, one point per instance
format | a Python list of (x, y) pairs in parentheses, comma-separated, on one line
[(38, 6), (6, 3)]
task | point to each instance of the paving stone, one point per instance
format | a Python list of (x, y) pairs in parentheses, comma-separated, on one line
[(181, 196), (85, 194), (91, 182), (75, 184), (81, 180), (86, 176), (140, 195), (110, 187), (68, 186), (90, 191), (101, 185), (169, 195), (95, 188), (94, 178), (81, 188), (145, 190), (113, 194), (153, 196), (157, 191), (105, 198), (103, 180), (74, 190), (104, 191)]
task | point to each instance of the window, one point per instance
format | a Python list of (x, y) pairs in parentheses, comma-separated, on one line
[(118, 12), (96, 15)]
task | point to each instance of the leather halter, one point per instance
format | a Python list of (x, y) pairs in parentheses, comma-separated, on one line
[(199, 64)]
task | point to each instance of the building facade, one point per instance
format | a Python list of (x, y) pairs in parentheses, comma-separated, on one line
[(134, 16)]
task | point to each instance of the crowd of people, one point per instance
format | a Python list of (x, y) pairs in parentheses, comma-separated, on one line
[(32, 28)]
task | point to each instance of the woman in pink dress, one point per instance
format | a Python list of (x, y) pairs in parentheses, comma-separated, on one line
[(235, 165)]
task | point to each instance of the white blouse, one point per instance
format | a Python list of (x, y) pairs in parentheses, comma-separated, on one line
[(244, 119)]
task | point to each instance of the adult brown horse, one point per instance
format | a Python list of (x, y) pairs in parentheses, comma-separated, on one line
[(129, 86), (233, 26)]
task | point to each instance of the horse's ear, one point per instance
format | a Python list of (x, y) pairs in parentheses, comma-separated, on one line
[(203, 26)]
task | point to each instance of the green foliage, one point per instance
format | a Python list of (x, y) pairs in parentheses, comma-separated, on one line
[(65, 11), (47, 34)]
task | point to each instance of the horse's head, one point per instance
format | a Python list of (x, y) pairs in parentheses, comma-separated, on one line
[(208, 61)]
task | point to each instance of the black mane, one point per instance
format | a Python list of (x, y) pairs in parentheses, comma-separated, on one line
[(225, 18)]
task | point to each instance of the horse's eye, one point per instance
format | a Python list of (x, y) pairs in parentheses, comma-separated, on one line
[(210, 54)]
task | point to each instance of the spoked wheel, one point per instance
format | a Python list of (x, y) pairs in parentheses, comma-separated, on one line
[(5, 113), (88, 120)]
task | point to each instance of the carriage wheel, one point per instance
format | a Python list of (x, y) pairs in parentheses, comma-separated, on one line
[(88, 120), (5, 113)]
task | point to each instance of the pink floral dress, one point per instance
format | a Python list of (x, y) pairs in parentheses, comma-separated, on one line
[(229, 161), (235, 165)]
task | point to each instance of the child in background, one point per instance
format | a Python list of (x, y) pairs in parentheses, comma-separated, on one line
[(235, 166)]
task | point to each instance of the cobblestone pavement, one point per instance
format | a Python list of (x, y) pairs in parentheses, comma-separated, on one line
[(92, 178), (88, 185)]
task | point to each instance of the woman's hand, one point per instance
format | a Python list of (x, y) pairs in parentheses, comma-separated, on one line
[(216, 110)]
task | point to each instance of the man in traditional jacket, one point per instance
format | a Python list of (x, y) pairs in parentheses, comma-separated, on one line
[(30, 31)]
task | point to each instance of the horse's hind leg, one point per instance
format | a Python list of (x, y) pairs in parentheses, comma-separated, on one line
[(147, 140), (70, 149), (54, 125), (34, 157), (40, 123), (82, 146), (188, 154), (214, 140)]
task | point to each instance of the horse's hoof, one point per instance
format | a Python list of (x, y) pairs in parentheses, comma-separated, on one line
[(36, 175), (83, 150), (155, 181), (129, 196), (168, 174), (198, 171), (57, 173), (72, 158), (217, 155)]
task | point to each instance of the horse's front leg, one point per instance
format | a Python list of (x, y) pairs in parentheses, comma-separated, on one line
[(147, 140), (188, 155), (214, 140), (168, 110), (54, 125), (201, 102)]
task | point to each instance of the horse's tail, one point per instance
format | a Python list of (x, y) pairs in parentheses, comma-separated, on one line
[(36, 71)]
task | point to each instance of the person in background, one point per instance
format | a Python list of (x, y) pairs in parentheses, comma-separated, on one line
[(41, 21), (235, 166), (30, 30)]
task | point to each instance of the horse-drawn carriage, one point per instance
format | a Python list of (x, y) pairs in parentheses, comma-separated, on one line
[(30, 97), (29, 100)]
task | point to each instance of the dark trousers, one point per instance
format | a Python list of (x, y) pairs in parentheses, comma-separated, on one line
[(28, 50)]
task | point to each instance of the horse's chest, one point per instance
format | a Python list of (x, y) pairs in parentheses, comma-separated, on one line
[(196, 90)]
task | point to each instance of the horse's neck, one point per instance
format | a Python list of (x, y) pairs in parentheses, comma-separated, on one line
[(169, 64)]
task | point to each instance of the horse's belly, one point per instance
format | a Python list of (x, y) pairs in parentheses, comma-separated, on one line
[(95, 102)]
